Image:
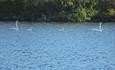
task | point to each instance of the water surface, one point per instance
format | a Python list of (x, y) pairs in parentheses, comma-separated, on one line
[(57, 46)]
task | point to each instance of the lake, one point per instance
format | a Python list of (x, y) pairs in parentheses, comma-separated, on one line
[(57, 46)]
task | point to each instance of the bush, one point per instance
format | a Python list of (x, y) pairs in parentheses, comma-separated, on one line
[(111, 12)]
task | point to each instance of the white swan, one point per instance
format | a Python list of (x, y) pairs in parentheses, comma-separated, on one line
[(100, 29), (16, 26)]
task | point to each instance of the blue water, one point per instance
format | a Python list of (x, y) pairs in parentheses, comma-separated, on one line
[(57, 46)]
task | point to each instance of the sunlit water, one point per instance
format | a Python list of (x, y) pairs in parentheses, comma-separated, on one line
[(57, 46)]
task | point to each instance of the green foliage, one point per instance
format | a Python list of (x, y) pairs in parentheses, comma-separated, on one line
[(111, 11), (59, 10)]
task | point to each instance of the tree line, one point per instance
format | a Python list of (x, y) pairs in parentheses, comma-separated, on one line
[(58, 10)]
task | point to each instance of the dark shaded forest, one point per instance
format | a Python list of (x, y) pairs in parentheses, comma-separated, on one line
[(58, 10)]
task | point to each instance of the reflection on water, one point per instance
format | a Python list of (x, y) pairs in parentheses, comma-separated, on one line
[(52, 46)]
